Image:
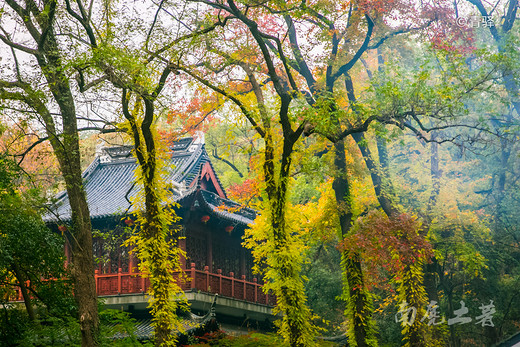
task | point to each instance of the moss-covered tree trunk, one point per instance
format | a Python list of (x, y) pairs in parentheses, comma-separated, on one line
[(288, 286), (359, 305), (25, 294)]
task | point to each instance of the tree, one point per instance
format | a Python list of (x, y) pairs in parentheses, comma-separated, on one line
[(281, 244), (43, 90), (294, 78), (140, 73), (334, 110)]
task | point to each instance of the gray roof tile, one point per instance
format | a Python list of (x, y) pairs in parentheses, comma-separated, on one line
[(109, 180)]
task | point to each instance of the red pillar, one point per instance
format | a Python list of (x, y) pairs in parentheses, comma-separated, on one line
[(256, 289), (96, 275), (244, 280), (192, 275), (67, 253), (243, 269), (131, 260), (219, 272), (206, 287), (232, 275)]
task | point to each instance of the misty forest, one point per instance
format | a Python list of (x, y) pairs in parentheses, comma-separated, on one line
[(375, 143)]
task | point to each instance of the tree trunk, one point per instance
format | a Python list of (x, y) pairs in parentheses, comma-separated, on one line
[(82, 257), (26, 298), (67, 151), (359, 306), (64, 139), (157, 254)]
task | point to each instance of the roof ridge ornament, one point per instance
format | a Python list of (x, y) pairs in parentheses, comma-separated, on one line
[(107, 154)]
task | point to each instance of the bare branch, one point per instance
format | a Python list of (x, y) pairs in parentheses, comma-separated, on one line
[(84, 19), (303, 68), (23, 13), (212, 27), (399, 32), (248, 113), (224, 160), (153, 25), (18, 46)]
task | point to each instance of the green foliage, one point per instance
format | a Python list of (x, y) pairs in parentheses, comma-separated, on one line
[(117, 329), (29, 251), (249, 340), (412, 292), (9, 171), (253, 340), (359, 301), (323, 287), (322, 118), (27, 243), (14, 322), (52, 331)]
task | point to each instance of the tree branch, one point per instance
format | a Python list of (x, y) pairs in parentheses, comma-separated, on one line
[(346, 67), (224, 160), (248, 113), (303, 68), (399, 32), (19, 46)]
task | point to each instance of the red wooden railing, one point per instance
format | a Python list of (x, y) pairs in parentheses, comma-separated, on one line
[(200, 280)]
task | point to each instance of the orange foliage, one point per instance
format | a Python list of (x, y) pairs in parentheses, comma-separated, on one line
[(39, 163), (244, 192), (193, 114)]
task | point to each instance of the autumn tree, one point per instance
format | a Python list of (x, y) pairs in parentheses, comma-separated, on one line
[(500, 106), (281, 241), (140, 73), (304, 105), (332, 108)]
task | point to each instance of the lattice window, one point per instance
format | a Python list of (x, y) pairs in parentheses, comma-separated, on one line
[(226, 256)]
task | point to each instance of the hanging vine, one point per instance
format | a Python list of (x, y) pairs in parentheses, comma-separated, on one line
[(154, 241)]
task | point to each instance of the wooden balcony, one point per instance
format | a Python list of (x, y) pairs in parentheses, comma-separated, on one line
[(197, 280), (125, 283)]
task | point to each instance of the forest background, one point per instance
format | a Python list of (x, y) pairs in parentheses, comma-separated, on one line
[(378, 139)]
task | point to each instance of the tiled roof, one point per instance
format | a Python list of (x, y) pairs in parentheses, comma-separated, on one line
[(109, 180), (228, 209)]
